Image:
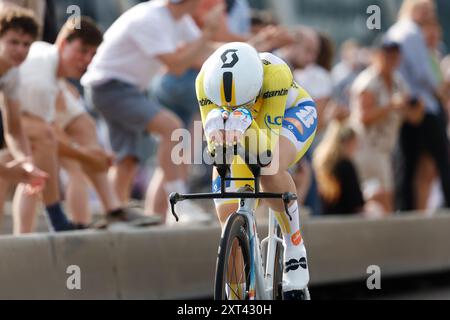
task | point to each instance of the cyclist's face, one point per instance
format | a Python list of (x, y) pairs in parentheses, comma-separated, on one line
[(76, 57), (14, 47)]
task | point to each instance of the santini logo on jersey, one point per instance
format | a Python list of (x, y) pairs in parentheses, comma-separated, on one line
[(294, 264), (205, 102), (277, 93)]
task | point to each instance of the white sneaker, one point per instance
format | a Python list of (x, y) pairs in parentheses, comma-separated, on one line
[(189, 212), (295, 273)]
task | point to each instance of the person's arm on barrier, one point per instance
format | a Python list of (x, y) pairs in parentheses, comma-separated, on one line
[(93, 158)]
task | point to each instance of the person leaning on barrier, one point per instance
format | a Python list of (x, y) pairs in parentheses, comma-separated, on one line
[(18, 29), (149, 36), (58, 126)]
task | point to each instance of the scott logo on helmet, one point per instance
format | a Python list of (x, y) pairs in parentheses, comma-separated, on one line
[(234, 58)]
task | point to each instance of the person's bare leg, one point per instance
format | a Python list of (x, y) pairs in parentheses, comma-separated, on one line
[(164, 124), (4, 187), (105, 191), (5, 157), (154, 192), (45, 156), (426, 174), (386, 200), (77, 197), (82, 130), (122, 176), (24, 208), (24, 211)]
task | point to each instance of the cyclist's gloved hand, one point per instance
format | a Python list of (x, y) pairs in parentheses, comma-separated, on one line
[(215, 125), (238, 122)]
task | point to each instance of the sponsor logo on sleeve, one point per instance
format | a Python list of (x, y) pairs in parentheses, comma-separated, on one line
[(276, 93), (205, 102)]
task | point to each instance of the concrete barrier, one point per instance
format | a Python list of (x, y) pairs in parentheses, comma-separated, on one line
[(179, 262)]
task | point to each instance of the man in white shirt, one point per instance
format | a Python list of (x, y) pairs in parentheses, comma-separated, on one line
[(144, 39)]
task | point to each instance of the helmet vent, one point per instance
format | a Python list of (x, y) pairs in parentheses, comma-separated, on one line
[(228, 86)]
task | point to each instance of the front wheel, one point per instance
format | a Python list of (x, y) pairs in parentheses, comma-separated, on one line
[(233, 261)]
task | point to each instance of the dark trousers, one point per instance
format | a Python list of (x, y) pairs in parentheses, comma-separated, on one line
[(429, 137)]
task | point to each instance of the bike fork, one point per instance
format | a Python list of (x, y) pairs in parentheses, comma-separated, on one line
[(271, 245)]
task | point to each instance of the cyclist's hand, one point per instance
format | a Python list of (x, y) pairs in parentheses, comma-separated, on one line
[(233, 137), (215, 125), (217, 137), (238, 122)]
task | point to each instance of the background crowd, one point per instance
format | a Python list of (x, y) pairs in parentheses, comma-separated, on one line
[(383, 139)]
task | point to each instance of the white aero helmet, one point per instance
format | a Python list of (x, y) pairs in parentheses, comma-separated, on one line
[(233, 75)]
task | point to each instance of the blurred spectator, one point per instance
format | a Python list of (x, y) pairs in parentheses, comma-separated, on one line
[(144, 39), (18, 30), (427, 176), (445, 68), (348, 61), (358, 58), (337, 177), (430, 135), (238, 16), (379, 102), (50, 102)]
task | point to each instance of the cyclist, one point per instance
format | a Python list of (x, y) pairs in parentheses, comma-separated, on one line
[(252, 91)]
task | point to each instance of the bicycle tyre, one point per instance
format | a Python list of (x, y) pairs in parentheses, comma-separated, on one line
[(236, 228)]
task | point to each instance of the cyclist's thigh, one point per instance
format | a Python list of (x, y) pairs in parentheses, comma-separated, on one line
[(299, 127), (225, 207)]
